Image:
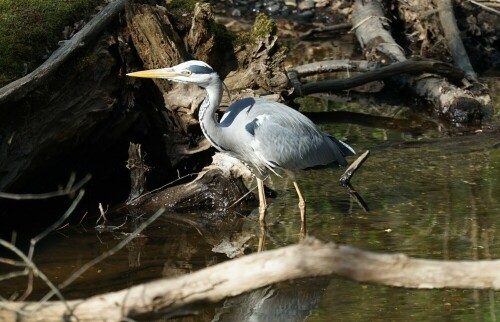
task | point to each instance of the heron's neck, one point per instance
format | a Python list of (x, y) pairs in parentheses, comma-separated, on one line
[(208, 121)]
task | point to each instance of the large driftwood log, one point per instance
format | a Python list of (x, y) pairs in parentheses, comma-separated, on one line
[(458, 105), (212, 284)]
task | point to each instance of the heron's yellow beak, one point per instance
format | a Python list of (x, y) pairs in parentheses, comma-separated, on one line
[(156, 73)]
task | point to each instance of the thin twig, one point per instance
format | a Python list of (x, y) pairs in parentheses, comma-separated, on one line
[(37, 196), (241, 198), (103, 215), (345, 180), (103, 256), (326, 29), (162, 187), (56, 224), (32, 267), (10, 261), (14, 274), (83, 217), (28, 289), (346, 177), (485, 7)]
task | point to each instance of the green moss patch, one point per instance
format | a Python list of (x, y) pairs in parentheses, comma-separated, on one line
[(30, 31), (262, 27)]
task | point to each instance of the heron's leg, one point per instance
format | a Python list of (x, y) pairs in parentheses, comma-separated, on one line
[(262, 200), (303, 231), (262, 238), (302, 203)]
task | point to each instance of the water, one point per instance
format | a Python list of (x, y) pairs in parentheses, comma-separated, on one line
[(430, 195)]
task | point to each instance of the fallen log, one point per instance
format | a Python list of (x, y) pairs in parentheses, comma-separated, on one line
[(459, 106), (212, 284), (410, 66)]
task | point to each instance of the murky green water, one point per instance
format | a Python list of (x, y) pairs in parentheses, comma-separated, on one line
[(430, 196)]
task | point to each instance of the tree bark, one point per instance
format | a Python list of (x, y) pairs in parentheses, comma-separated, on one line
[(212, 284)]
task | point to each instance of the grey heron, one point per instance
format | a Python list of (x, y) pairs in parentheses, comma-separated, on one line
[(266, 135)]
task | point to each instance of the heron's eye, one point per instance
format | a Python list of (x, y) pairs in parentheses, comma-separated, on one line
[(186, 72)]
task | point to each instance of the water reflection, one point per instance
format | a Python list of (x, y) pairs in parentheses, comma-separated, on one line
[(430, 197), (287, 302)]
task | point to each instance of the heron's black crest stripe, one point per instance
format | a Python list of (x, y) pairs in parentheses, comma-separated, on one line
[(250, 127), (197, 69)]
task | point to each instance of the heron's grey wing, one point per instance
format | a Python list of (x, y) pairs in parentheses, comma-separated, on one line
[(288, 139)]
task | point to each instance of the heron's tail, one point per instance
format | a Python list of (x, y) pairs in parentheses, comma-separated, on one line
[(345, 149)]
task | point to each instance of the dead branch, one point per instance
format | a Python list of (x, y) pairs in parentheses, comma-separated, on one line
[(310, 258), (487, 6), (21, 87), (70, 189), (30, 268), (328, 30), (219, 186), (345, 179), (330, 66), (410, 66), (452, 35), (103, 256), (351, 170), (138, 169)]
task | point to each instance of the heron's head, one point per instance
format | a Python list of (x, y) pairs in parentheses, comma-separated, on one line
[(190, 72)]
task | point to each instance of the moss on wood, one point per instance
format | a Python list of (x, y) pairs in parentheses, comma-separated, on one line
[(262, 27), (30, 31)]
